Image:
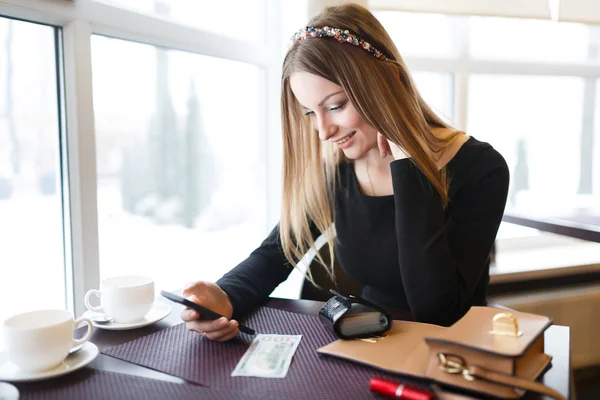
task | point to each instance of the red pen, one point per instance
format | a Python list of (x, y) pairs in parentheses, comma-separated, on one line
[(397, 390)]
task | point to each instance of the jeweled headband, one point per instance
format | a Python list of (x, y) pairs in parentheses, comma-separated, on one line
[(341, 35)]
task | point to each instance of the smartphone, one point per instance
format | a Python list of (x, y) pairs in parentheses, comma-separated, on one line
[(203, 311)]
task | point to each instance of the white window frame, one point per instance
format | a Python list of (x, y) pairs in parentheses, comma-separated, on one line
[(584, 11), (461, 65), (79, 20)]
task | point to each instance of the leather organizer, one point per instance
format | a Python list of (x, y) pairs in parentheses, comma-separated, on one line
[(489, 351)]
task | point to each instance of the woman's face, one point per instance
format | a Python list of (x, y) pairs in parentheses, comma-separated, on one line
[(333, 115)]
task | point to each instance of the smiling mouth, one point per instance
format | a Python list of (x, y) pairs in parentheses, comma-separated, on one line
[(345, 138)]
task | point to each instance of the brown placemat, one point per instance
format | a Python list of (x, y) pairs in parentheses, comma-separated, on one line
[(190, 356), (91, 384)]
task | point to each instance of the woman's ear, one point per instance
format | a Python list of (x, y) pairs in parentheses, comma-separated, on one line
[(384, 146)]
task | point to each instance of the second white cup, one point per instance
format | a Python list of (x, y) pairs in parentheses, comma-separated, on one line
[(125, 299)]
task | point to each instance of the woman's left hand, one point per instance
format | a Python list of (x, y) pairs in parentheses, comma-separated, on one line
[(387, 147)]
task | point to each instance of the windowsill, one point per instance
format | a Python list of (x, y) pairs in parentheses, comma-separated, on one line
[(543, 256)]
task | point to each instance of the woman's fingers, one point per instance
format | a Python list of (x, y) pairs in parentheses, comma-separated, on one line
[(187, 314), (203, 325), (214, 298), (232, 335), (220, 329), (388, 148), (194, 288), (227, 333), (209, 295)]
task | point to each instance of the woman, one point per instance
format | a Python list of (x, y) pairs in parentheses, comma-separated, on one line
[(416, 204)]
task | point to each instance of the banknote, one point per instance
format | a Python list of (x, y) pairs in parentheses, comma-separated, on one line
[(269, 356)]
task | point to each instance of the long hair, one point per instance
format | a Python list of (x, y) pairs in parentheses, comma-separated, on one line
[(383, 93)]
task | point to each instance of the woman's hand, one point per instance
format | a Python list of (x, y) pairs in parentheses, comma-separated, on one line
[(211, 296), (386, 148)]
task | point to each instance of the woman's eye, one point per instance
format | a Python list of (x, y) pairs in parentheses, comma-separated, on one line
[(332, 108), (337, 108)]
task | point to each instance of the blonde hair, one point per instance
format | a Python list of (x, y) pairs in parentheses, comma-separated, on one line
[(384, 95)]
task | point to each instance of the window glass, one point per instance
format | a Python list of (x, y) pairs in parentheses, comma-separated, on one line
[(181, 192), (535, 122), (32, 265), (528, 40), (437, 90), (418, 34)]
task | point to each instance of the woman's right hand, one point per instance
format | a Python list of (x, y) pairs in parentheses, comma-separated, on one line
[(211, 296)]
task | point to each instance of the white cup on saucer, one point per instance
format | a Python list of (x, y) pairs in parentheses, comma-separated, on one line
[(125, 299), (40, 340)]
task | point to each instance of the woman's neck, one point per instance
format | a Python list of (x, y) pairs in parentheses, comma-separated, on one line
[(374, 174), (375, 162)]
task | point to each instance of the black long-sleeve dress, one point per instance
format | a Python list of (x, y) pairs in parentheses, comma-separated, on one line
[(408, 251)]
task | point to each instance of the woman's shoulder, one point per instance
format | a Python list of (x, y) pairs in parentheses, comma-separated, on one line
[(477, 163), (477, 154)]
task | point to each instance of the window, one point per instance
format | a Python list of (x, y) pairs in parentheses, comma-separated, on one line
[(178, 143), (592, 144), (528, 87), (437, 90), (293, 18), (169, 112), (528, 40), (416, 34), (239, 19), (31, 231), (538, 134)]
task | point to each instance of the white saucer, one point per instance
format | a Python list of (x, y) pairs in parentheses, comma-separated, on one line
[(159, 311), (8, 391), (10, 372)]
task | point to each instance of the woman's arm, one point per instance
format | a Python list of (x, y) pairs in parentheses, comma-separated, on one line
[(442, 260), (239, 291), (250, 283)]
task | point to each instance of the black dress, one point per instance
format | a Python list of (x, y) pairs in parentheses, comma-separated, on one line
[(406, 249)]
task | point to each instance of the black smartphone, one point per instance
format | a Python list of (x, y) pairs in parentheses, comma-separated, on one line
[(203, 311)]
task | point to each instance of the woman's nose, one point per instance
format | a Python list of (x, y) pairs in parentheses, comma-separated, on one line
[(325, 128)]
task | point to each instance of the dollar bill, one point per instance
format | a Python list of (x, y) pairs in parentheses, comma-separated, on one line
[(269, 356)]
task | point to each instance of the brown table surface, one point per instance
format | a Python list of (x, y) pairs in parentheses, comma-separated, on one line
[(585, 227), (557, 343)]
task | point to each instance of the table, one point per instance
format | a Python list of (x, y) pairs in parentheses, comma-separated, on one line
[(556, 338), (585, 227)]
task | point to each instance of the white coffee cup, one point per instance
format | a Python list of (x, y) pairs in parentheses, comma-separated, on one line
[(125, 299), (40, 340)]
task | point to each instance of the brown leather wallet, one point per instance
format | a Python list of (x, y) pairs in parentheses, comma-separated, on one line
[(489, 351)]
